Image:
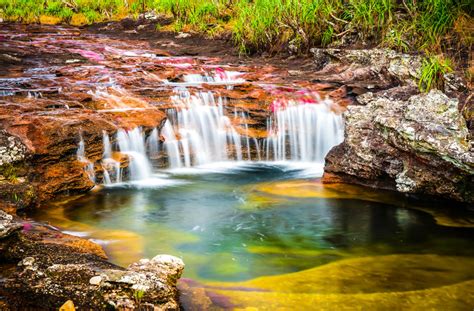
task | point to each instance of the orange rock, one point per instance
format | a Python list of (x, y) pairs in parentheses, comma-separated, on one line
[(68, 306)]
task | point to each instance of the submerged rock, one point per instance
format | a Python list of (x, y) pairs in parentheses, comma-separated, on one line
[(415, 145), (399, 281)]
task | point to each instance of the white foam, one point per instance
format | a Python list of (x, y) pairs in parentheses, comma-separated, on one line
[(149, 183)]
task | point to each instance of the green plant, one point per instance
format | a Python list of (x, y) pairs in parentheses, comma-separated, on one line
[(138, 295), (9, 172), (396, 38), (272, 25), (370, 15), (432, 72)]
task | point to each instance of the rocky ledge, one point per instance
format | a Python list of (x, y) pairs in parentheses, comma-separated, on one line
[(52, 268), (396, 138)]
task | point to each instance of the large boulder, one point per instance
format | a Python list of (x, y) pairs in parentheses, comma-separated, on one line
[(418, 144)]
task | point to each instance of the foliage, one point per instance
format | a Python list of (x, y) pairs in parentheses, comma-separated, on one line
[(259, 25), (138, 293), (9, 172), (432, 72)]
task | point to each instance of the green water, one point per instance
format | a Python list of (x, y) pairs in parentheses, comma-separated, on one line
[(238, 224), (226, 229)]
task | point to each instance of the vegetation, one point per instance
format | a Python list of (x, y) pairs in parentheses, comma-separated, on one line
[(9, 172), (432, 72), (259, 25), (432, 26)]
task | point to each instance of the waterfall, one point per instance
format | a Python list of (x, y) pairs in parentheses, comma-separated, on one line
[(81, 156), (107, 147), (110, 166), (217, 77), (153, 144), (171, 145), (200, 132), (132, 143), (303, 132), (112, 171)]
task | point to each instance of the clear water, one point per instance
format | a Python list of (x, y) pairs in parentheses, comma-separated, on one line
[(239, 223)]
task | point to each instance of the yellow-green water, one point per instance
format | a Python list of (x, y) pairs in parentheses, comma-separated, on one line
[(261, 237)]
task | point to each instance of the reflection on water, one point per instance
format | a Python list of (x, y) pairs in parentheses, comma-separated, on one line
[(238, 225)]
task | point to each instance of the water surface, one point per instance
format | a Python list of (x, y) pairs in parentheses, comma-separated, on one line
[(235, 223)]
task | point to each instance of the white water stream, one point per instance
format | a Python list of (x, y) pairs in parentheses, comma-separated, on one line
[(199, 132)]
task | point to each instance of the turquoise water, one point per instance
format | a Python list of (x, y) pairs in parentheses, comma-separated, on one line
[(235, 224)]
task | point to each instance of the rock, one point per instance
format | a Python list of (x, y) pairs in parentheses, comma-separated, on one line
[(7, 225), (172, 262), (95, 280), (28, 261), (150, 15), (183, 35), (368, 68), (453, 83), (68, 306), (415, 145), (11, 149), (53, 269)]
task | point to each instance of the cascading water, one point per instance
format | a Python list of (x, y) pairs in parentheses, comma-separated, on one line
[(303, 132), (153, 144), (81, 156), (112, 169), (132, 143), (217, 77), (199, 132)]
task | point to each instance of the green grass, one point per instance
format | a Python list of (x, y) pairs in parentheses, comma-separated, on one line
[(260, 25), (432, 72), (433, 26)]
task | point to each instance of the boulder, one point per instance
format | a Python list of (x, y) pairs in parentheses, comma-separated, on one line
[(367, 68), (419, 144), (7, 225)]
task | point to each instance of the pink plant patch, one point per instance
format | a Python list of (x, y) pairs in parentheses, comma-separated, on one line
[(93, 56)]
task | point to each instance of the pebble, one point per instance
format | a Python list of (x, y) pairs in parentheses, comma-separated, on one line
[(27, 261), (183, 35), (95, 280)]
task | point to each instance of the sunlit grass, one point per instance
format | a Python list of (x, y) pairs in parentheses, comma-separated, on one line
[(259, 25), (432, 72), (276, 25)]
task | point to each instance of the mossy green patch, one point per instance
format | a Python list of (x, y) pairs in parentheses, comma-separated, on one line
[(381, 282)]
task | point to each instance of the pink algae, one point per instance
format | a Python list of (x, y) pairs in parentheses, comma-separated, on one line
[(93, 56)]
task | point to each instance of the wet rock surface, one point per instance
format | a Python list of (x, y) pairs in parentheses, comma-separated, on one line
[(61, 84), (53, 267), (368, 69)]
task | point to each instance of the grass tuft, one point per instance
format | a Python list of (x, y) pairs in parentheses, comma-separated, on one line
[(433, 70)]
